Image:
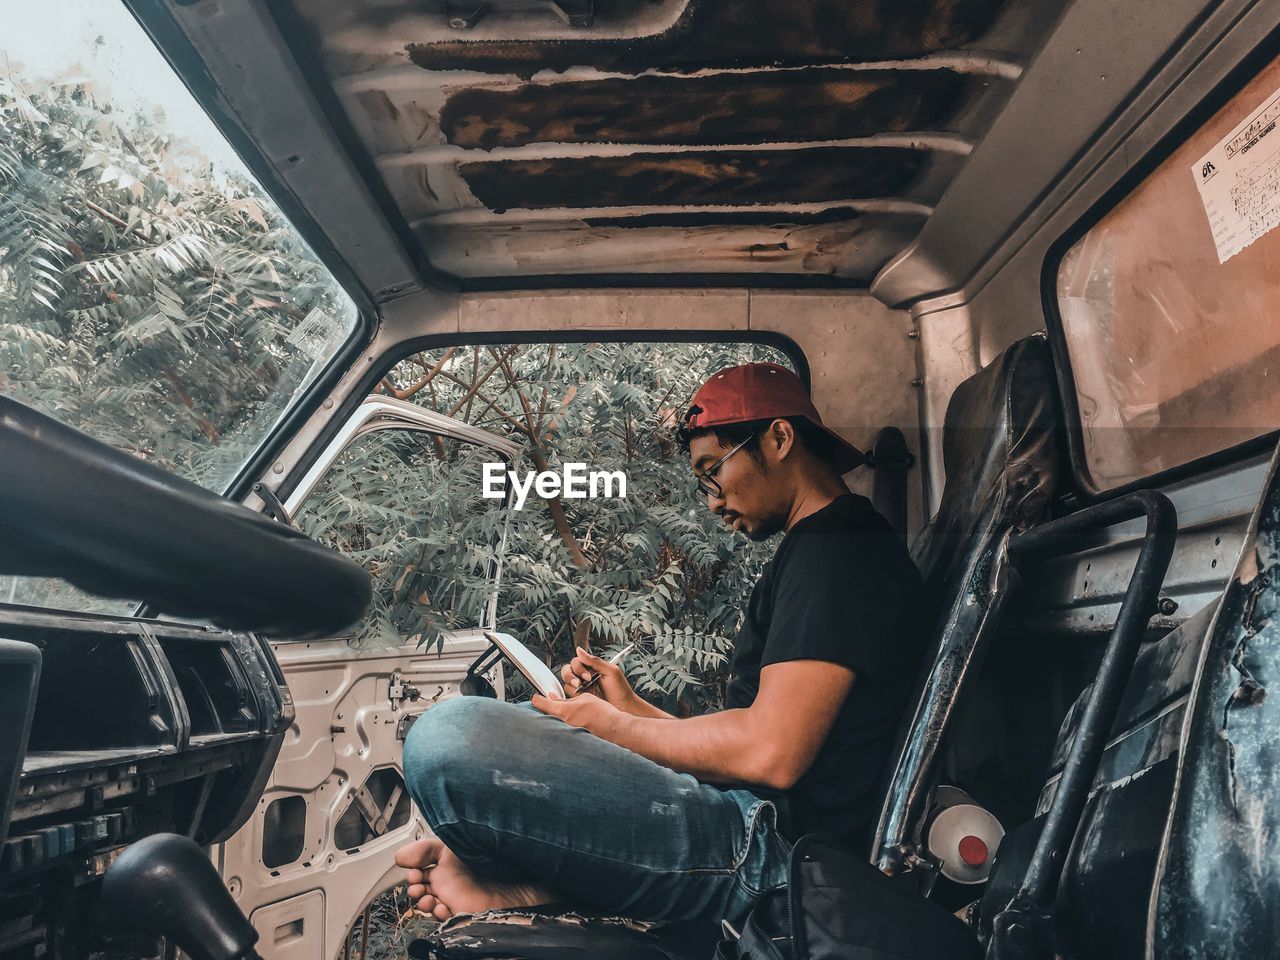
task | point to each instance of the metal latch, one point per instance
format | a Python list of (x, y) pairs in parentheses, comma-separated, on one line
[(400, 691)]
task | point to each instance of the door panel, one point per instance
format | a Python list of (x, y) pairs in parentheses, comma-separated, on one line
[(347, 732)]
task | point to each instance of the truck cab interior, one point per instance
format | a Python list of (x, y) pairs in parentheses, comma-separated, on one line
[(258, 259)]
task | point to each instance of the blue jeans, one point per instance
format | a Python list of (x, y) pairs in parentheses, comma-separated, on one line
[(603, 827)]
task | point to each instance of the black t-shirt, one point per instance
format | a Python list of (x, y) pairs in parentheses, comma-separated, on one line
[(840, 588)]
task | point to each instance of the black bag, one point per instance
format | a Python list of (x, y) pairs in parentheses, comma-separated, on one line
[(836, 907)]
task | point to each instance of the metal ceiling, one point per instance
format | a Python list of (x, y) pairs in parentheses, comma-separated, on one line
[(706, 140)]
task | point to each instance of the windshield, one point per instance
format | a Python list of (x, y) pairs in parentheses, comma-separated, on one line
[(151, 294)]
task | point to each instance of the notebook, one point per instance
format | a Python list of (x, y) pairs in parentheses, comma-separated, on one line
[(522, 658)]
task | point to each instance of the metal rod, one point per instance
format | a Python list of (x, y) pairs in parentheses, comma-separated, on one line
[(1040, 885), (486, 660)]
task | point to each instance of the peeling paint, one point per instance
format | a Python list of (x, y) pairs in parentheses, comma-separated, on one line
[(580, 129), (813, 105), (737, 32), (1249, 565), (801, 175)]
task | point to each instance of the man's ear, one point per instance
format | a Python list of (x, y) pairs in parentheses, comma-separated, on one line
[(780, 438)]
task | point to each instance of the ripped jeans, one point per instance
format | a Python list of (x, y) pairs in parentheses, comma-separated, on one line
[(603, 827)]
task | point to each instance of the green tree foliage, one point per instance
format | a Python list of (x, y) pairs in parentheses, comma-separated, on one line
[(145, 298)]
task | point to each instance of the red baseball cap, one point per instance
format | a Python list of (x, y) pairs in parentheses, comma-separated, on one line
[(762, 391)]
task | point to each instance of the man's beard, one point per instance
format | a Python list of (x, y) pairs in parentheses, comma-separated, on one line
[(766, 528)]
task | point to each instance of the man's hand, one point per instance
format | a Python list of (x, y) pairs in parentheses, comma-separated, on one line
[(613, 687), (588, 712)]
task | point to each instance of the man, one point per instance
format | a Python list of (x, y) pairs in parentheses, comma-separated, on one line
[(606, 801)]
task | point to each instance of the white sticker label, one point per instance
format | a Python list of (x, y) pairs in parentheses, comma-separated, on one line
[(313, 334), (1239, 181)]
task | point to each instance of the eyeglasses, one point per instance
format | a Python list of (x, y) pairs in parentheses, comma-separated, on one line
[(705, 482)]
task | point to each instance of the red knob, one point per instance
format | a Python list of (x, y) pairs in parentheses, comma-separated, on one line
[(973, 851)]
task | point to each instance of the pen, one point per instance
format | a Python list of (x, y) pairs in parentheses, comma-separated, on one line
[(595, 677)]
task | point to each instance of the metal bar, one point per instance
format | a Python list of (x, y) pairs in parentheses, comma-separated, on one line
[(486, 660), (1040, 885), (483, 216)]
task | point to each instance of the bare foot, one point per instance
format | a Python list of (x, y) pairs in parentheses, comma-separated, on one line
[(443, 885)]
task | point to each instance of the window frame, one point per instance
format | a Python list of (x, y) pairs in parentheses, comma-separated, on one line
[(1087, 490)]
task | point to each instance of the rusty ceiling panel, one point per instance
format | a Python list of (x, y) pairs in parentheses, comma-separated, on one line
[(690, 137), (725, 108), (739, 32), (793, 176)]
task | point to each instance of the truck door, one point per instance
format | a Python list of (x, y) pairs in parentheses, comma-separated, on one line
[(399, 490)]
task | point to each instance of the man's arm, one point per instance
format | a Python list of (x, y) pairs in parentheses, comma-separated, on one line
[(770, 744)]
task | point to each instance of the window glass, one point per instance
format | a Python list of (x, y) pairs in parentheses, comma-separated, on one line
[(151, 294), (654, 567), (1171, 330), (408, 507)]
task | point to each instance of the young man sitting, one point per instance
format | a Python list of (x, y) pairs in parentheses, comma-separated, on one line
[(606, 801)]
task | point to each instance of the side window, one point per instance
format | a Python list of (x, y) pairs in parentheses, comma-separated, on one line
[(654, 567), (408, 506), (1168, 304)]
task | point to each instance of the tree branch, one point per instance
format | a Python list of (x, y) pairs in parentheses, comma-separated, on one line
[(409, 391), (106, 215), (554, 504), (475, 387)]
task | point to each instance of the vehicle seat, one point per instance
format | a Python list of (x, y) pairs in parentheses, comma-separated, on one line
[(1217, 881), (1002, 452)]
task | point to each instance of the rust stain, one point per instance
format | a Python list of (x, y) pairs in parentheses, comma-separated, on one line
[(740, 32), (797, 176), (756, 108)]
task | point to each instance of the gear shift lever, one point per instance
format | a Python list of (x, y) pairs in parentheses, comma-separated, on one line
[(165, 884)]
